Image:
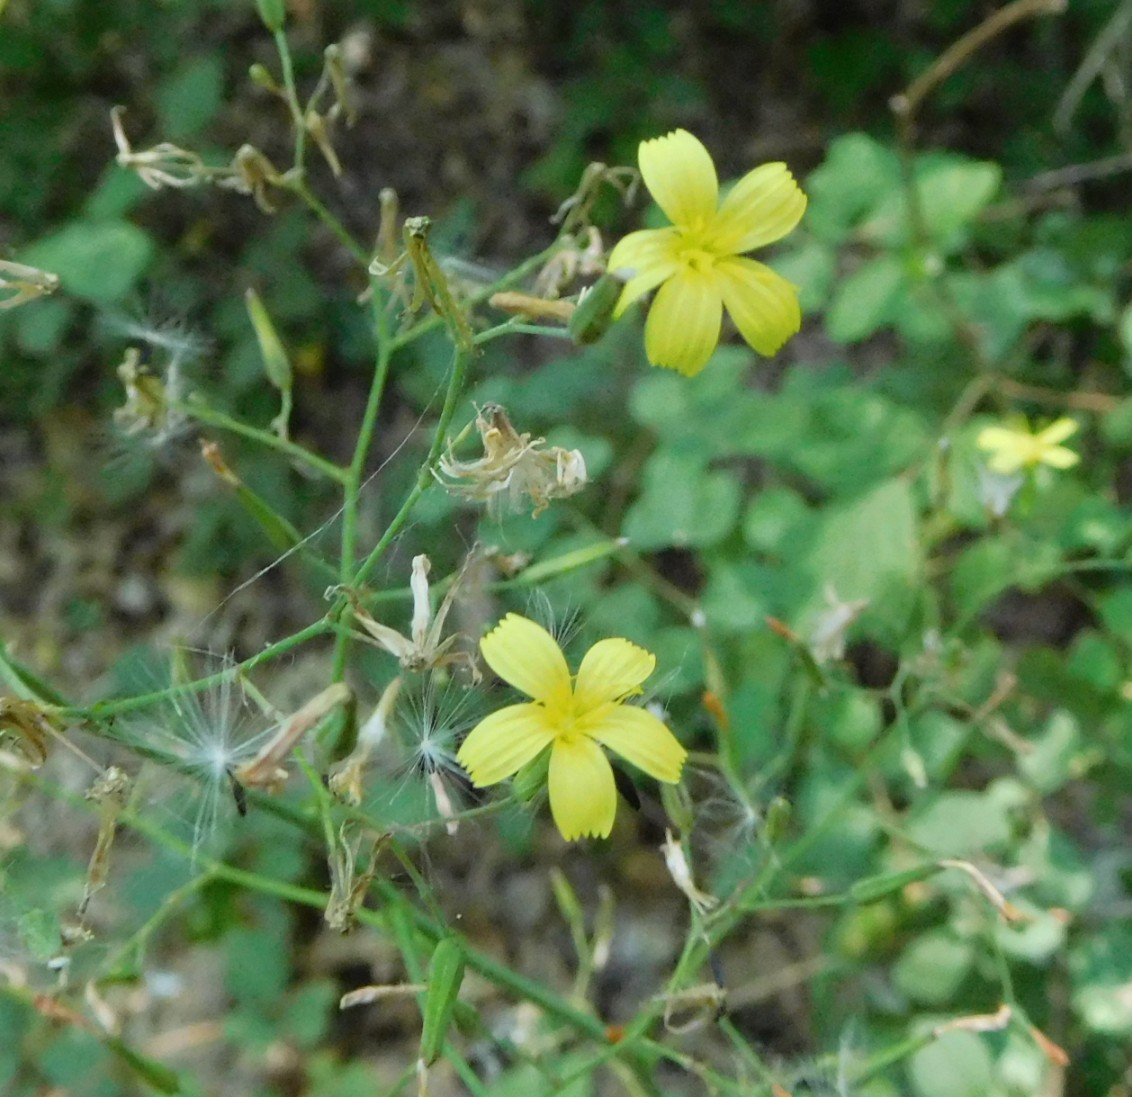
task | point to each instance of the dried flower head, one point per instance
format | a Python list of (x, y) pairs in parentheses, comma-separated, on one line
[(150, 409), (251, 173), (29, 725), (423, 649), (513, 467), (24, 283), (206, 736), (163, 165), (581, 257)]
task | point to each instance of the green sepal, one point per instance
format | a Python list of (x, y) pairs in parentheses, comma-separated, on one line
[(531, 779), (594, 314)]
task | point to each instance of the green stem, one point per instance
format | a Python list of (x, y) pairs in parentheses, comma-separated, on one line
[(202, 413), (353, 482), (102, 710), (299, 186), (512, 327), (292, 97), (460, 361)]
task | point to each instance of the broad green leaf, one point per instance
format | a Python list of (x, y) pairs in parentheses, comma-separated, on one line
[(933, 966), (99, 260), (958, 1064), (952, 192), (681, 504), (960, 824), (188, 99), (866, 300), (857, 172), (1101, 966), (867, 548)]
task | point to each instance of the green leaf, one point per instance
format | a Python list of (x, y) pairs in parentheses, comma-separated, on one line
[(155, 1074), (1101, 966), (682, 504), (952, 192), (962, 823), (99, 260), (932, 968), (1057, 755), (868, 548), (866, 300), (858, 172), (39, 934), (812, 266), (956, 1065), (773, 519), (188, 100)]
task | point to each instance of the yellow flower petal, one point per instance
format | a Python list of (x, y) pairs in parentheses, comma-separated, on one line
[(502, 743), (583, 796), (646, 259), (762, 207), (763, 304), (683, 325), (611, 670), (525, 655), (681, 177), (641, 251), (1007, 448), (1058, 431), (640, 738), (1059, 457)]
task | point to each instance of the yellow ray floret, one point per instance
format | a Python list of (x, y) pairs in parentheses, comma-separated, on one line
[(574, 718), (697, 261)]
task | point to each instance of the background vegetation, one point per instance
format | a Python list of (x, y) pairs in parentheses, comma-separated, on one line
[(905, 835)]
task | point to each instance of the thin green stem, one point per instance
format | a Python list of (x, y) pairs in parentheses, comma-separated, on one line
[(299, 186), (356, 471), (460, 362), (102, 710), (513, 327), (202, 413), (292, 95)]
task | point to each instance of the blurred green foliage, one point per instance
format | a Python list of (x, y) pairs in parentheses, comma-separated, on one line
[(980, 707)]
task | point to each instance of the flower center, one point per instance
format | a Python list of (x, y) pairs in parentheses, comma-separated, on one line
[(692, 252), (565, 718)]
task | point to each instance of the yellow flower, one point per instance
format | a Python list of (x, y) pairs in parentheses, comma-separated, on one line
[(1014, 448), (698, 260), (575, 717)]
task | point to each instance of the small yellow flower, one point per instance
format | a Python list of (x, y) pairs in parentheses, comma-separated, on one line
[(1015, 448), (698, 260), (575, 717)]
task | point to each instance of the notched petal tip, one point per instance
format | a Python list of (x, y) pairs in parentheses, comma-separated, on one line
[(680, 175), (764, 206), (611, 670), (583, 794), (527, 657)]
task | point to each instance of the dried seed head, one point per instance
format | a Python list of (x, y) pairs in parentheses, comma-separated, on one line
[(29, 726), (423, 649), (163, 165), (24, 284), (514, 467)]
